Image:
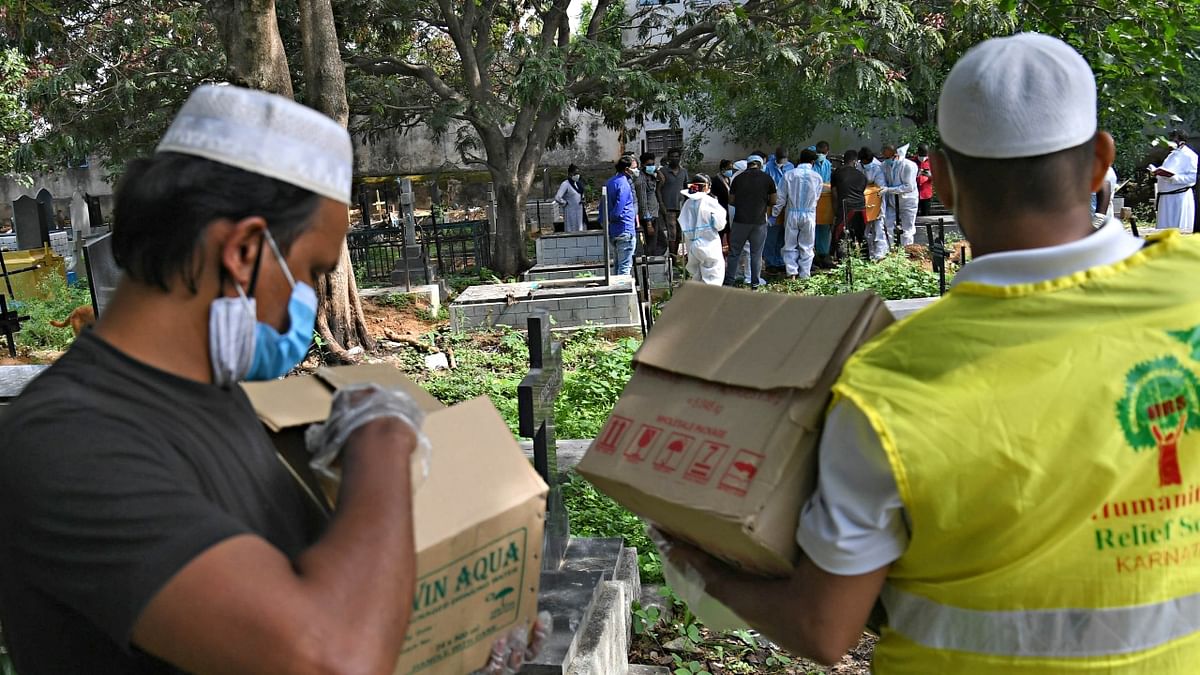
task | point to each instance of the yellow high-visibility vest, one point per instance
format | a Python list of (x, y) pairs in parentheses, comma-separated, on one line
[(1045, 440)]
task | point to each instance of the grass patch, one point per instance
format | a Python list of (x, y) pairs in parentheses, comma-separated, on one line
[(57, 301)]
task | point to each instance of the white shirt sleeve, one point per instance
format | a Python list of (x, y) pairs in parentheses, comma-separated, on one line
[(855, 521)]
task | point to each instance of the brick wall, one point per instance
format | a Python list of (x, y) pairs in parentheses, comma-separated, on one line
[(567, 249)]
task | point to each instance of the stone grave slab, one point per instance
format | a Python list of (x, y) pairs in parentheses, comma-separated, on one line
[(29, 230), (14, 379), (103, 273), (902, 308), (572, 304)]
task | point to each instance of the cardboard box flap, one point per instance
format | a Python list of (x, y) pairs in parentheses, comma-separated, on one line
[(382, 374), (754, 340), (476, 458), (292, 402)]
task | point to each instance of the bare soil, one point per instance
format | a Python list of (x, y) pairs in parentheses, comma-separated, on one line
[(724, 654)]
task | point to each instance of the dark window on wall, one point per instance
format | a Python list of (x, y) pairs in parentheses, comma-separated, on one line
[(658, 141)]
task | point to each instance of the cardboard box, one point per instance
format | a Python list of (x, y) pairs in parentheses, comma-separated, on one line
[(478, 518), (714, 438)]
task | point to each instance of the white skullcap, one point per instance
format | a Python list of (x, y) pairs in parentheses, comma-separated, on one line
[(754, 158), (1019, 96), (264, 134), (740, 165)]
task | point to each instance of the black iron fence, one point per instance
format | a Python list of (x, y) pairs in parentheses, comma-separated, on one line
[(457, 247), (453, 248)]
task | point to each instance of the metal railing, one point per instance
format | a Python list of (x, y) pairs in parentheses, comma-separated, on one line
[(454, 248)]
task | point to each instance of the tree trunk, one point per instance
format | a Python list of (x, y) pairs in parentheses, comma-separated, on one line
[(1168, 463), (340, 323), (508, 249), (253, 49)]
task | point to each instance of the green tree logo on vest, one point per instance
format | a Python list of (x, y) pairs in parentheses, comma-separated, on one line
[(1162, 401)]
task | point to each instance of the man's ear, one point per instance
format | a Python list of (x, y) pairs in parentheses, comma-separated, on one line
[(1106, 152), (240, 247), (941, 179)]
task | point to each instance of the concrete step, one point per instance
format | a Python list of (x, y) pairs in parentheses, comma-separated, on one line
[(648, 670), (589, 597)]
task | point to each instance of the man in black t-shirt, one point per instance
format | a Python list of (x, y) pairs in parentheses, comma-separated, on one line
[(847, 187), (148, 526), (751, 195)]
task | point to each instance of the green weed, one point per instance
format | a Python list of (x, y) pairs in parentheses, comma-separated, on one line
[(37, 333)]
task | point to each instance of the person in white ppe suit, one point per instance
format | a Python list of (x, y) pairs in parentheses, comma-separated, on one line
[(701, 219), (801, 192), (877, 230), (901, 191), (1176, 177), (570, 198)]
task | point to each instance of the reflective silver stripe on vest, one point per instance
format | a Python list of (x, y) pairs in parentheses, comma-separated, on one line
[(1062, 633)]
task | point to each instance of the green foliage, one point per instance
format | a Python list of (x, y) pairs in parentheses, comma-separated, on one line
[(108, 75), (16, 121), (896, 277), (61, 299), (595, 514)]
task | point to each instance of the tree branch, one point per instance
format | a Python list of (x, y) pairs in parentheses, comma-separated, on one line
[(406, 69)]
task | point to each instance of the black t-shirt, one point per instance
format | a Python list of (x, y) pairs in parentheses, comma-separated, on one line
[(720, 190), (113, 476), (751, 190), (850, 184)]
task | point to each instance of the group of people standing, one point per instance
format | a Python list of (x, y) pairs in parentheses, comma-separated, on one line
[(770, 206)]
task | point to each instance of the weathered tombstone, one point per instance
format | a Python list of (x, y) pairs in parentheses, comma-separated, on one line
[(95, 214), (535, 411), (102, 271), (30, 232), (45, 207), (81, 215)]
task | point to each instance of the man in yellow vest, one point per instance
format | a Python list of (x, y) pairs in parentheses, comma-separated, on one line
[(1014, 471)]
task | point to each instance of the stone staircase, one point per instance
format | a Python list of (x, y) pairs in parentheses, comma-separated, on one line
[(590, 597)]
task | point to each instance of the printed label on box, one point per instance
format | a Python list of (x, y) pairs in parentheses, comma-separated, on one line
[(642, 444), (613, 434), (741, 472), (492, 575), (671, 456), (706, 462)]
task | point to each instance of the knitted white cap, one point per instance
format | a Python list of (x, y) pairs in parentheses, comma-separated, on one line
[(1019, 96), (264, 134)]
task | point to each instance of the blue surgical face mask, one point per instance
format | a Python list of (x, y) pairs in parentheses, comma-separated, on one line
[(729, 173), (650, 169), (243, 348), (820, 156)]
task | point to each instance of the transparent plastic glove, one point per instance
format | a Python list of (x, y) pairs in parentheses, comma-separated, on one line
[(511, 652), (689, 586), (354, 406)]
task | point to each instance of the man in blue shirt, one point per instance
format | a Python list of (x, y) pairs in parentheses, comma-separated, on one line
[(777, 167), (622, 215), (823, 165)]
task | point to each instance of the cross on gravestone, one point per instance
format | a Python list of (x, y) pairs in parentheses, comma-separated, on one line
[(535, 413), (30, 233), (10, 319)]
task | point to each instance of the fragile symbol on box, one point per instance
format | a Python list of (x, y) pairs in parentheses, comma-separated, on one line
[(706, 462), (741, 473), (613, 433), (670, 457), (639, 450)]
